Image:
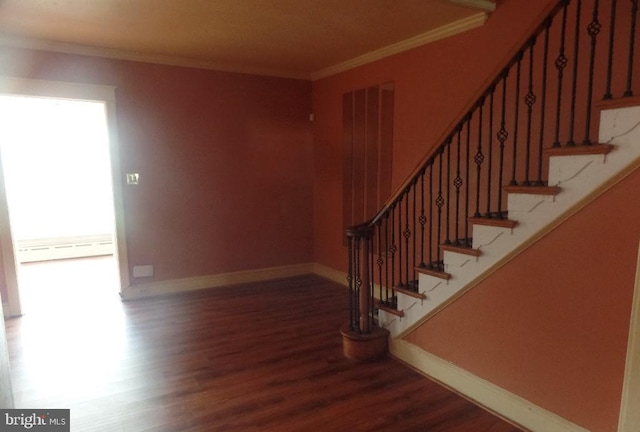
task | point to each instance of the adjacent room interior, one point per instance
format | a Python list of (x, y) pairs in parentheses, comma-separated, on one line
[(57, 169)]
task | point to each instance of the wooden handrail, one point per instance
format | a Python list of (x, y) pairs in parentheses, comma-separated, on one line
[(509, 60)]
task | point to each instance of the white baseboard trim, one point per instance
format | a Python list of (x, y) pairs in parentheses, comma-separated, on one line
[(173, 286), (496, 399), (330, 273)]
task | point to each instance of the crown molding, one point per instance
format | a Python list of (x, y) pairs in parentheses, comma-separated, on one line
[(445, 31), (91, 51)]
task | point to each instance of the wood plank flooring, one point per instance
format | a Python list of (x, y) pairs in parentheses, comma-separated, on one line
[(255, 357)]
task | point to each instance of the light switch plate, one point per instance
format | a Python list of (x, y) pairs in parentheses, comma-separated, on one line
[(133, 178)]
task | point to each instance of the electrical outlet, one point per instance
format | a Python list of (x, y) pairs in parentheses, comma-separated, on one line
[(142, 271)]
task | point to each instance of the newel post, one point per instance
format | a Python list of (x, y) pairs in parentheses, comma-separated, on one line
[(362, 340)]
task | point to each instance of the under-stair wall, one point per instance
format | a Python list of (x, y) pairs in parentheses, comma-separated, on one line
[(551, 326)]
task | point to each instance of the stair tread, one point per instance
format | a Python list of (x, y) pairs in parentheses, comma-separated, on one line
[(533, 189), (466, 250), (433, 272), (410, 289), (493, 221), (391, 310), (579, 149), (620, 102)]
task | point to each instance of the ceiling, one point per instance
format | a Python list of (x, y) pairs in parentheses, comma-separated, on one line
[(290, 38)]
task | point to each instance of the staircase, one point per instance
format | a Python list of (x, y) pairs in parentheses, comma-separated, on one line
[(557, 126), (575, 177)]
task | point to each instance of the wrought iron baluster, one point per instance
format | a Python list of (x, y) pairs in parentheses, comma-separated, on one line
[(439, 203), (414, 236), (612, 31), (457, 182), (431, 211), (561, 64), (380, 260), (407, 237), (543, 101), (387, 249), (466, 186), (400, 235), (368, 286), (490, 150), (574, 84), (350, 283), (529, 100), (423, 218), (370, 303), (634, 19), (448, 193), (516, 118), (358, 285), (502, 138), (593, 29), (393, 247), (479, 157)]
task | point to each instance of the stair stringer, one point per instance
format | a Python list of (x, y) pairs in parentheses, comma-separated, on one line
[(581, 178)]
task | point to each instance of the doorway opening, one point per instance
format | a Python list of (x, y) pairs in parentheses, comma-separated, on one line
[(57, 173), (59, 201)]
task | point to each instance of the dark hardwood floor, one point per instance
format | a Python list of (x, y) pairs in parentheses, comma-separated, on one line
[(256, 357)]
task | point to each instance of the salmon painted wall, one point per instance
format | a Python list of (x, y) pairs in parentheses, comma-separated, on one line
[(432, 83), (552, 325), (225, 161), (555, 332)]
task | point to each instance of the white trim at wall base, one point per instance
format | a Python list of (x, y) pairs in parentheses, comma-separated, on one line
[(496, 399), (173, 286), (629, 413), (330, 273)]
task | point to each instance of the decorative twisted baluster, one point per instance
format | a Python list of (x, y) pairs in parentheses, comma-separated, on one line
[(593, 29), (431, 260), (439, 203), (447, 239), (561, 63), (457, 183), (400, 235), (529, 100), (407, 235), (502, 136), (479, 158)]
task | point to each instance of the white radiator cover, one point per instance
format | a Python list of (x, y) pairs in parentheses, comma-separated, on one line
[(33, 250)]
